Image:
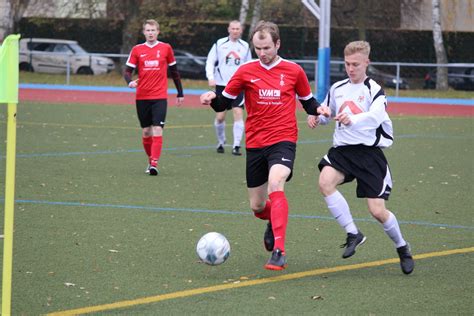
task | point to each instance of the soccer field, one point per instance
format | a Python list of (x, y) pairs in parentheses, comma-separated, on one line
[(94, 234)]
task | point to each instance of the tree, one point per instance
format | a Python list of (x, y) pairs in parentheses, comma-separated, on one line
[(11, 11), (244, 9), (256, 13), (441, 57)]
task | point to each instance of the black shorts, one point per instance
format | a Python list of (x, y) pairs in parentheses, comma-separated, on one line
[(237, 103), (366, 164), (260, 160), (152, 112)]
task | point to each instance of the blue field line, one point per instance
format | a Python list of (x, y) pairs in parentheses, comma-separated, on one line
[(468, 102), (225, 212), (205, 147), (97, 88)]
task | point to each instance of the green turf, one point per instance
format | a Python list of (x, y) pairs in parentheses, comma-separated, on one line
[(117, 234)]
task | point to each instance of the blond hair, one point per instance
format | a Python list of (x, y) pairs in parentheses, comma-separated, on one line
[(362, 47), (151, 22)]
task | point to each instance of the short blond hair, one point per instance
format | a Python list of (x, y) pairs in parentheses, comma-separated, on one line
[(352, 48), (151, 22)]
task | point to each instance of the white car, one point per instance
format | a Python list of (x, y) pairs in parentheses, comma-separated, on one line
[(52, 55)]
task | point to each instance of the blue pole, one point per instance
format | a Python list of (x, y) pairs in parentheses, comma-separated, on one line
[(324, 57), (324, 50)]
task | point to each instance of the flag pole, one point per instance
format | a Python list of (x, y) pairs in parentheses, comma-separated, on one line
[(9, 55), (9, 210)]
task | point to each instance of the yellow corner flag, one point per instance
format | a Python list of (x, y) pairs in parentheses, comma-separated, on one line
[(9, 69), (9, 94)]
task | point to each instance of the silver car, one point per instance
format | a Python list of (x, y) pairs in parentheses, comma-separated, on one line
[(56, 55)]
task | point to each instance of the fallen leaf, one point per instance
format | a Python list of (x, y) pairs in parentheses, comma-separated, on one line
[(113, 250), (316, 297), (68, 284)]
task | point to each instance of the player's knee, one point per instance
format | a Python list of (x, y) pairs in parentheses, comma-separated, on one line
[(380, 214), (257, 206), (326, 186)]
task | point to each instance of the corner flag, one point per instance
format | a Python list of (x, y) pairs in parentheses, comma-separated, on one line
[(9, 94), (9, 70)]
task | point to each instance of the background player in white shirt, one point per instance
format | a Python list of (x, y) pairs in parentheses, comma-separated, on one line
[(358, 105), (225, 56)]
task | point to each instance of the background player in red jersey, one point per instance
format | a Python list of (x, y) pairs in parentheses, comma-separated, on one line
[(152, 59), (270, 85)]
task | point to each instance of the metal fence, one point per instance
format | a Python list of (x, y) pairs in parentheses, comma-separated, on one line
[(392, 75)]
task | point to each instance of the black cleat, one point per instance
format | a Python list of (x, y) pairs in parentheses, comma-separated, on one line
[(236, 151), (406, 260), (268, 238), (153, 171), (220, 149), (277, 261), (352, 241)]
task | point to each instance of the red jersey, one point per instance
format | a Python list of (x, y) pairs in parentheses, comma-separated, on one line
[(152, 63), (270, 100)]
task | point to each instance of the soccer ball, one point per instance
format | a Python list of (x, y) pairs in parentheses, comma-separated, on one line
[(213, 248)]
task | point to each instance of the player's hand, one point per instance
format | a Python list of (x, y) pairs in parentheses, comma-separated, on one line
[(324, 110), (212, 83), (312, 121), (179, 101), (207, 97), (343, 118), (133, 84)]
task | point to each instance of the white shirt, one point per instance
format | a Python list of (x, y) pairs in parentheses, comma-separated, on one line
[(224, 58), (366, 104)]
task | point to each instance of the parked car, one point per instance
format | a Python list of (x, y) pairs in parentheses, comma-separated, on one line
[(337, 72), (459, 78), (189, 65), (52, 55)]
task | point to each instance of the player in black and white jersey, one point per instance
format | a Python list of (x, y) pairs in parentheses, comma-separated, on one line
[(358, 105), (225, 56)]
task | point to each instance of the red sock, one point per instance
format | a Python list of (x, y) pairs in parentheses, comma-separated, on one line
[(156, 150), (279, 218), (147, 141), (266, 213)]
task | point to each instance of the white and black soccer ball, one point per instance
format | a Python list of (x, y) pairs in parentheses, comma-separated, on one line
[(213, 248)]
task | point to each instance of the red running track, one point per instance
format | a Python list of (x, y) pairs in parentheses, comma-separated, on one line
[(128, 98)]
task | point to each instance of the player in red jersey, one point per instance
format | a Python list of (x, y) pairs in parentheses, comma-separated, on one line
[(270, 85), (151, 60)]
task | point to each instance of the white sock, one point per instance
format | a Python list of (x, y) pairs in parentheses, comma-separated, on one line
[(220, 132), (339, 208), (392, 229), (238, 132)]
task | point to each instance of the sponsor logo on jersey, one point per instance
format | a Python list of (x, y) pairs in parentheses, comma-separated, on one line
[(269, 93), (254, 80), (350, 107), (151, 63), (284, 159)]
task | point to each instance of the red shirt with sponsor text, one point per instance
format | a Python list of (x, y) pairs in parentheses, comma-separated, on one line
[(152, 64), (270, 100)]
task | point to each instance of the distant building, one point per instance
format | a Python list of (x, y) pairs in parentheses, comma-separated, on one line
[(457, 15)]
